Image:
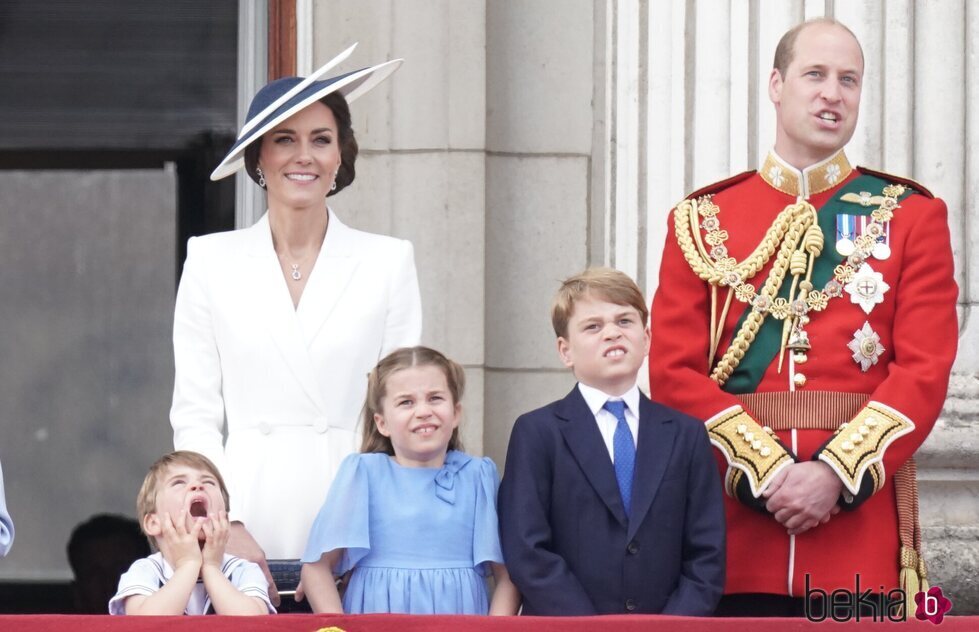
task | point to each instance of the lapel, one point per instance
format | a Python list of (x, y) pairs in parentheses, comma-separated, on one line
[(330, 276), (657, 434), (585, 442), (271, 300)]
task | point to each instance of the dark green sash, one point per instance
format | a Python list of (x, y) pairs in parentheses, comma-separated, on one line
[(764, 350)]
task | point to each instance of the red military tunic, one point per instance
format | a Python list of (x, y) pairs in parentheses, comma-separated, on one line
[(892, 405)]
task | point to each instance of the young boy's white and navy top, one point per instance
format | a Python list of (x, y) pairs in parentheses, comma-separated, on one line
[(149, 574)]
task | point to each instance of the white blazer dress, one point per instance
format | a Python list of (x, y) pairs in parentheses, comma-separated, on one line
[(287, 383)]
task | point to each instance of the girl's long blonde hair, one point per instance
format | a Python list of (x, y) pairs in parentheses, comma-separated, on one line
[(397, 360)]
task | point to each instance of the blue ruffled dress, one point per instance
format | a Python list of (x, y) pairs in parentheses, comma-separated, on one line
[(419, 540)]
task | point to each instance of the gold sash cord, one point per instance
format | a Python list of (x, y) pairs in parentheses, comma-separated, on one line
[(828, 410)]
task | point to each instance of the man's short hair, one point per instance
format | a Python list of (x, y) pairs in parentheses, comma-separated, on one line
[(785, 51), (146, 500), (603, 283)]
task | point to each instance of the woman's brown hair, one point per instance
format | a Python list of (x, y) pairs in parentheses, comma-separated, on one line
[(345, 136)]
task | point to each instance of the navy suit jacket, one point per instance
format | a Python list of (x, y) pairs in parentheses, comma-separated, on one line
[(566, 540)]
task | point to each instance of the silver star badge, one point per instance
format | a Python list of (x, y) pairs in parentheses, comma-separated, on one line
[(867, 288), (866, 347)]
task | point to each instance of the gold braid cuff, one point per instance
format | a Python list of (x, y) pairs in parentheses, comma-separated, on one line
[(859, 445), (731, 480), (827, 410), (748, 448)]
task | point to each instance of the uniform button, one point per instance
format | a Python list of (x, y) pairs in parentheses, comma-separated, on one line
[(265, 427), (633, 548), (630, 605), (321, 425)]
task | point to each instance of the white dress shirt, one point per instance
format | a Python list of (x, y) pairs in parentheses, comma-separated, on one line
[(606, 421)]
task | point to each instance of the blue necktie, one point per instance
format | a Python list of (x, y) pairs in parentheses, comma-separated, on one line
[(624, 451)]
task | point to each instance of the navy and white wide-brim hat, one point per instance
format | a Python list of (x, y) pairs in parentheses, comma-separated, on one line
[(282, 98)]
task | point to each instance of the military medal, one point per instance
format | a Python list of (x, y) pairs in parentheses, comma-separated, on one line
[(866, 288), (846, 228), (881, 251), (881, 232), (849, 226), (866, 347)]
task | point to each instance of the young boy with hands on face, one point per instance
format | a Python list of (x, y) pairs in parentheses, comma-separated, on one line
[(182, 508)]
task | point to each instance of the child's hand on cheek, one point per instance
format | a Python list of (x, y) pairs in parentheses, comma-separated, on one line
[(216, 529), (178, 545)]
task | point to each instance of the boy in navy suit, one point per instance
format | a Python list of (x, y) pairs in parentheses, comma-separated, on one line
[(610, 503)]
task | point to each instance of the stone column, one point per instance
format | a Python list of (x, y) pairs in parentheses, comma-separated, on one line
[(421, 169), (540, 68), (946, 130)]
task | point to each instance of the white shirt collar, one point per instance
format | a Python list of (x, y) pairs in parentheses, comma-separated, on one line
[(596, 399)]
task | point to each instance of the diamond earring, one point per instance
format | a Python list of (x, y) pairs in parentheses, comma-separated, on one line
[(261, 177)]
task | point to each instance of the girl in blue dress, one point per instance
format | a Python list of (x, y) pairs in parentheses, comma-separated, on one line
[(411, 518)]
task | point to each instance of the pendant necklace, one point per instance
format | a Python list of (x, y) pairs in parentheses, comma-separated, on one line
[(296, 273)]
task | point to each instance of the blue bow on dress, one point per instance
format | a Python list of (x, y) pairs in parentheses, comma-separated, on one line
[(446, 477)]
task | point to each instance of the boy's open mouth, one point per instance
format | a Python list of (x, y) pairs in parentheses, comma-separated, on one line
[(198, 509)]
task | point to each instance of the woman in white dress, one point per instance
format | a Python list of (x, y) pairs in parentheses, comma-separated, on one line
[(277, 325)]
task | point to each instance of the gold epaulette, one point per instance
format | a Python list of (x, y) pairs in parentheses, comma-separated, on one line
[(891, 178), (748, 447), (720, 185), (858, 445)]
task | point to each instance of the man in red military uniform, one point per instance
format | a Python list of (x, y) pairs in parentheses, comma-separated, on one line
[(807, 312)]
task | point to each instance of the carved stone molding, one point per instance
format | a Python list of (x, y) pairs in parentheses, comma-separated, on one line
[(948, 483)]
